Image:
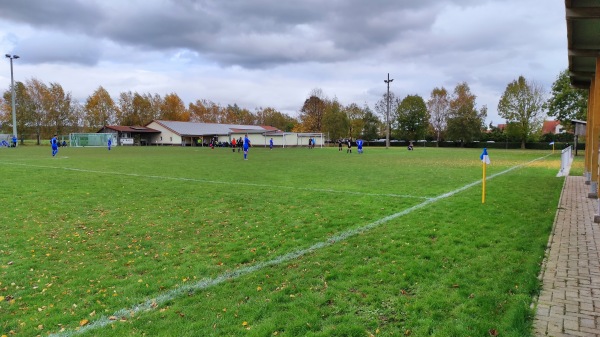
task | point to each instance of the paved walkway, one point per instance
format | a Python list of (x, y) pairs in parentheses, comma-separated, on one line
[(569, 304)]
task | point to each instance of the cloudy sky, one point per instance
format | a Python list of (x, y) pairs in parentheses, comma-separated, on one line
[(273, 53)]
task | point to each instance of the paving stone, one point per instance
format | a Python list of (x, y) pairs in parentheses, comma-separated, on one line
[(569, 303)]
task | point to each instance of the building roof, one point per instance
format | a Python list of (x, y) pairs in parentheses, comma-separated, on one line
[(209, 129), (549, 126), (133, 129), (583, 40)]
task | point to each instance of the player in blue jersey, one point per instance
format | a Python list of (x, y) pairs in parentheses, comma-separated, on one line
[(246, 146), (54, 144), (359, 145), (109, 143), (271, 144)]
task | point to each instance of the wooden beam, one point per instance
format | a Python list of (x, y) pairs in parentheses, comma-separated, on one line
[(584, 52), (583, 13)]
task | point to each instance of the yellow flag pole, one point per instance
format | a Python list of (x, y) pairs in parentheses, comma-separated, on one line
[(483, 185), (552, 148)]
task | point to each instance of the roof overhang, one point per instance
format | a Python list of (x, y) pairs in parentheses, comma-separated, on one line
[(583, 40)]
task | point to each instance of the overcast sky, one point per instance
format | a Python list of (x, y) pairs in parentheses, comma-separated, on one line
[(273, 53)]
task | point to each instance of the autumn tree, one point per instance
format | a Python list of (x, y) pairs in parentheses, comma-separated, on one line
[(233, 114), (335, 121), (413, 119), (438, 106), (136, 109), (356, 120), (311, 114), (59, 108), (100, 110), (23, 110), (567, 103), (371, 124), (173, 109), (522, 105), (204, 111), (39, 94), (272, 117), (464, 120), (125, 108), (155, 107)]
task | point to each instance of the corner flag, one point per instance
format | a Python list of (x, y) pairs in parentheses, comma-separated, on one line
[(485, 159), (484, 156)]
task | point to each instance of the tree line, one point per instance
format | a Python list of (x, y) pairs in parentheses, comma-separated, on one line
[(45, 109)]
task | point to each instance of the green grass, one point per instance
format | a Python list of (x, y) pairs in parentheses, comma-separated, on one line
[(92, 232), (578, 165)]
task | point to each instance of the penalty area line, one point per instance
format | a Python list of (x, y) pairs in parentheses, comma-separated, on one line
[(153, 303)]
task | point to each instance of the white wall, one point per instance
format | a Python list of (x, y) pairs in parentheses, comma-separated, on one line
[(166, 136)]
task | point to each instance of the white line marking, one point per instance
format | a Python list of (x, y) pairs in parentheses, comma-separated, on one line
[(225, 182), (234, 274)]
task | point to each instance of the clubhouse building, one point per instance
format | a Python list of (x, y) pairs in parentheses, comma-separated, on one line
[(161, 132)]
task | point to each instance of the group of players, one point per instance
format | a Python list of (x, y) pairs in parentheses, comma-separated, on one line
[(245, 144), (359, 145)]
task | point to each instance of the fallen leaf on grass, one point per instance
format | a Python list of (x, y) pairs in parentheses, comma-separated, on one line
[(84, 322), (493, 332)]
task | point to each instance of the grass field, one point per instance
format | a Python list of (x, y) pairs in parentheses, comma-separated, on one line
[(173, 241)]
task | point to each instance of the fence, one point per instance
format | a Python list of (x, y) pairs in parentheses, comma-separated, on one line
[(565, 161)]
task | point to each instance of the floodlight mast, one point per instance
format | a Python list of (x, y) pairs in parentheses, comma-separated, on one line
[(387, 115), (12, 89)]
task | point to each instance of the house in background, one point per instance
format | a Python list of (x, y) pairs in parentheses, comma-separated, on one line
[(200, 134), (161, 132), (130, 135), (552, 127)]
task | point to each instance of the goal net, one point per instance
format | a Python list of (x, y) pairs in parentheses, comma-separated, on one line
[(90, 139)]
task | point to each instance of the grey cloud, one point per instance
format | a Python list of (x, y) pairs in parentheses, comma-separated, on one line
[(59, 48), (62, 15), (246, 33), (266, 33)]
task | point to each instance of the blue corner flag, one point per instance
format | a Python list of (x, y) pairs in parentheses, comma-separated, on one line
[(484, 156)]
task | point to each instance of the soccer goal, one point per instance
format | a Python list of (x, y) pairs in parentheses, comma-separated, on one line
[(90, 139)]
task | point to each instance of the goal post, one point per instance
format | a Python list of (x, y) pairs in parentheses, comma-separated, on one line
[(90, 139)]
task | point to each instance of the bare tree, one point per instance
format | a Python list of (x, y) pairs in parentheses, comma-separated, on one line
[(439, 108)]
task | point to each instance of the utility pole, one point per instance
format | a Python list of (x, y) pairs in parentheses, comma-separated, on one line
[(387, 115), (12, 88)]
